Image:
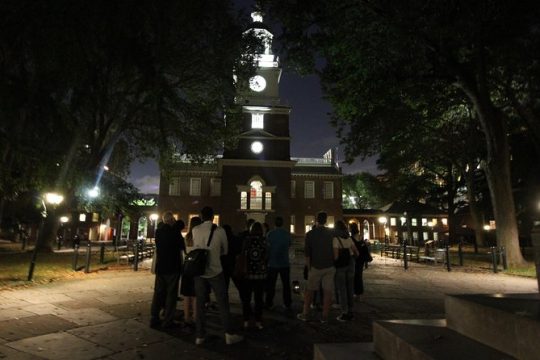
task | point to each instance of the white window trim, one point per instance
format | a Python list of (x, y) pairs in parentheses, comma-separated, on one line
[(311, 194), (192, 182), (328, 194)]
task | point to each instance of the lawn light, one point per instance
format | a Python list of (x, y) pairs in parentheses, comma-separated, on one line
[(64, 219), (93, 193), (296, 286)]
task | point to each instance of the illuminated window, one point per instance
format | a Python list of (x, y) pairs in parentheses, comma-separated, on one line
[(215, 187), (268, 200), (444, 221), (255, 195), (405, 235), (174, 186), (414, 222), (403, 220), (195, 186), (309, 189), (309, 221), (293, 189), (82, 217), (424, 222), (434, 221), (492, 224), (425, 235), (95, 217), (328, 190), (415, 235), (257, 121), (243, 200), (293, 220), (216, 219), (393, 221), (436, 236), (330, 222)]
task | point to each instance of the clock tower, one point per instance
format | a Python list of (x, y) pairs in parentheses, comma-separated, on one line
[(260, 165)]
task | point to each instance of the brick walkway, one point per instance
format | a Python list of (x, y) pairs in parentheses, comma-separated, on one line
[(105, 315)]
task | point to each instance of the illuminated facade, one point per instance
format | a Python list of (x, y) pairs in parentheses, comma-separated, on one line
[(257, 179)]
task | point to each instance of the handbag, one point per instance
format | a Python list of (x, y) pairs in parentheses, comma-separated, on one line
[(197, 259), (344, 256)]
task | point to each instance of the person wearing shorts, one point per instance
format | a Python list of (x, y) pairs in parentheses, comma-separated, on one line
[(319, 254)]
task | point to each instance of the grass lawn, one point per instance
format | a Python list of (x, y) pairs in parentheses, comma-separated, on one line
[(15, 263)]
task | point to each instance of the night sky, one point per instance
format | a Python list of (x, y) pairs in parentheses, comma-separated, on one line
[(311, 133)]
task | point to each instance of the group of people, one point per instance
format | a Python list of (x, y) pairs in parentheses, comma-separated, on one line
[(335, 260), (252, 260)]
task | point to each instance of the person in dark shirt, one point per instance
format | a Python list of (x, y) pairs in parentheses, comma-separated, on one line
[(169, 248), (279, 242)]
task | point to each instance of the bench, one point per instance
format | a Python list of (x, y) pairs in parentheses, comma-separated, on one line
[(129, 250), (396, 251)]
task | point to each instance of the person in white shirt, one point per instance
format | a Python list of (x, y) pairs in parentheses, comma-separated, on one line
[(213, 276)]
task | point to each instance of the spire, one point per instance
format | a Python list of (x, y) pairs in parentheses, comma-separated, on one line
[(263, 33)]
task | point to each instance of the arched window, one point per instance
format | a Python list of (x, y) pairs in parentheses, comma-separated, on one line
[(366, 229), (256, 195)]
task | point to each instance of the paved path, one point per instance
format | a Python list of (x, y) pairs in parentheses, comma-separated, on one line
[(105, 316)]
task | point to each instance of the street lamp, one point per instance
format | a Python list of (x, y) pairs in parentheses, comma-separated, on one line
[(93, 193), (383, 220), (154, 217), (53, 199)]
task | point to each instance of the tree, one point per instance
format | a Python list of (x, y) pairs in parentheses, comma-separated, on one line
[(380, 55), (364, 190), (152, 77)]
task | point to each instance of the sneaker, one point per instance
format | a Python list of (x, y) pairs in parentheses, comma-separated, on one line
[(233, 338), (342, 318), (324, 321), (199, 341), (302, 317), (259, 325)]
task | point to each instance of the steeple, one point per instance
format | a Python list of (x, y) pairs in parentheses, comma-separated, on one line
[(262, 31)]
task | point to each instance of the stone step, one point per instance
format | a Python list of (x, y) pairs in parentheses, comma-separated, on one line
[(427, 339), (507, 322), (344, 351)]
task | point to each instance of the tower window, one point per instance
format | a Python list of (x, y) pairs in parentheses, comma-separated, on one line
[(257, 121), (268, 200), (255, 195), (243, 200)]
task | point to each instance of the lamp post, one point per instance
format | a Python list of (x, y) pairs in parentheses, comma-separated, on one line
[(49, 198), (154, 217), (384, 221)]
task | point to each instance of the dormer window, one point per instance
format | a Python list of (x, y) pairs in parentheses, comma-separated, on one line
[(257, 121)]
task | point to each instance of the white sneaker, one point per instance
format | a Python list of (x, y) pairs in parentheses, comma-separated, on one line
[(199, 341), (233, 338)]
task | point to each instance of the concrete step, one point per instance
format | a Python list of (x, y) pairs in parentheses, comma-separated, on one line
[(506, 322), (344, 351), (427, 339)]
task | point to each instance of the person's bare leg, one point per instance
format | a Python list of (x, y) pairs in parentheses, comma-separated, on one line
[(187, 309), (308, 298), (327, 303)]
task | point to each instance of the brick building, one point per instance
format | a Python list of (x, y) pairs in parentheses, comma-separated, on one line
[(258, 178)]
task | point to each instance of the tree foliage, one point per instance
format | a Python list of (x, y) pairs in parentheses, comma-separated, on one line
[(387, 61), (81, 81)]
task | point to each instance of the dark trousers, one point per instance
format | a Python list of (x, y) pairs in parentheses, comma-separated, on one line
[(165, 296), (285, 275), (247, 289), (217, 284), (358, 281)]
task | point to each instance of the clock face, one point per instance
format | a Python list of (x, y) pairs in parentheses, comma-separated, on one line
[(256, 147), (257, 83)]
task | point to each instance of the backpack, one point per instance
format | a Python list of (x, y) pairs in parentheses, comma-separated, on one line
[(197, 259)]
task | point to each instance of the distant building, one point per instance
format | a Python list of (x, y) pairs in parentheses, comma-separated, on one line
[(257, 179), (414, 222)]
